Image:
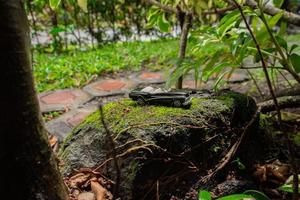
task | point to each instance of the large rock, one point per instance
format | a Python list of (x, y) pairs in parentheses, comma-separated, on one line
[(159, 145)]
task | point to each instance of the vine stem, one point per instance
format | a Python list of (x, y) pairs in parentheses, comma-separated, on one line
[(264, 65)]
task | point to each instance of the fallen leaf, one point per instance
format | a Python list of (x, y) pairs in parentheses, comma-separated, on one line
[(98, 190), (53, 140), (86, 196), (78, 179)]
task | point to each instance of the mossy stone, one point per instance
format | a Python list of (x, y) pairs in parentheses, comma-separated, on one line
[(156, 138)]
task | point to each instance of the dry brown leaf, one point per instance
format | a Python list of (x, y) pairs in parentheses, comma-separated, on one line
[(276, 172), (86, 196), (98, 190), (78, 179), (53, 140)]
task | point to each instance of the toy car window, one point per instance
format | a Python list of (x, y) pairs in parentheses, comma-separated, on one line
[(148, 89)]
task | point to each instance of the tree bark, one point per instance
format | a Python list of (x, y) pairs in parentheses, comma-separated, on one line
[(28, 165), (283, 102), (271, 10)]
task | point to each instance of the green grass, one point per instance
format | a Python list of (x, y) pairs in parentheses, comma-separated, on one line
[(76, 68)]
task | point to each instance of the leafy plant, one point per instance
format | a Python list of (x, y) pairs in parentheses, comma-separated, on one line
[(249, 194), (221, 49), (288, 186)]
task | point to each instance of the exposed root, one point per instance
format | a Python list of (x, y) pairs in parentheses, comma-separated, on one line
[(229, 155)]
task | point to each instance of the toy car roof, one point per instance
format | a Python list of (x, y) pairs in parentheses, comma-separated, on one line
[(159, 91)]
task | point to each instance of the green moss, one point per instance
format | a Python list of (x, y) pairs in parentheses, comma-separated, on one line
[(122, 114), (126, 114)]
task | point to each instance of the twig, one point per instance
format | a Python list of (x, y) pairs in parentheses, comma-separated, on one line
[(283, 102), (114, 153), (157, 190), (128, 151), (271, 10), (218, 10)]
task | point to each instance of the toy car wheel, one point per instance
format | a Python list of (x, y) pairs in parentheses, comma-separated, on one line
[(177, 103), (140, 101)]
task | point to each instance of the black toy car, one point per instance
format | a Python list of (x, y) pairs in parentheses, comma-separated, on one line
[(150, 95)]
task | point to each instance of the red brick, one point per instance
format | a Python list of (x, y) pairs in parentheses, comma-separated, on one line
[(77, 118), (150, 75), (110, 85), (64, 97)]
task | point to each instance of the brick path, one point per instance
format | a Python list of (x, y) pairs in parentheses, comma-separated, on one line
[(79, 103)]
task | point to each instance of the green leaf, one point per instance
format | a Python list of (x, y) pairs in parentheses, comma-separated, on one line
[(83, 5), (219, 80), (257, 195), (286, 188), (262, 34), (56, 30), (204, 195), (295, 59), (281, 42), (202, 4), (152, 12), (163, 24), (152, 18), (230, 15), (282, 29), (216, 69), (278, 3), (272, 22), (235, 197), (228, 22), (54, 3), (294, 46)]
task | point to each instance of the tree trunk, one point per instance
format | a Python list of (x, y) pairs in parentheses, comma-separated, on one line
[(34, 26), (29, 168), (185, 27)]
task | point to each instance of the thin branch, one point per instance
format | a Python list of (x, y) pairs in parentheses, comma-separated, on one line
[(164, 7), (283, 102), (271, 10), (218, 10)]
